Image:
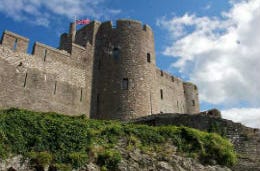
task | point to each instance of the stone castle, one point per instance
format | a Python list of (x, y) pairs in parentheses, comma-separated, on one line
[(100, 70)]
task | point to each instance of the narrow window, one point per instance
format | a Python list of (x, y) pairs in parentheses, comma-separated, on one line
[(148, 57), (195, 88), (193, 102), (44, 55), (25, 80), (161, 92), (125, 84), (15, 44), (81, 94), (55, 87), (177, 104), (129, 24), (116, 53), (161, 73)]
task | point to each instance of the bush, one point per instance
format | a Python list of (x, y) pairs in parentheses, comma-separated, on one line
[(109, 159), (53, 138), (78, 159), (40, 159)]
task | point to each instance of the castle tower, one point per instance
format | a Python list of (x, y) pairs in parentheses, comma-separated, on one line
[(192, 98), (124, 74)]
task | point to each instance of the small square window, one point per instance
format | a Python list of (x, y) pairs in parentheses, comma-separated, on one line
[(125, 84)]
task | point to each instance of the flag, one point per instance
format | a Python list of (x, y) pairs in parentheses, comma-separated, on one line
[(83, 21)]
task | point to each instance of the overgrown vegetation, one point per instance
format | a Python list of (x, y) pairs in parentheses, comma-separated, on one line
[(66, 142)]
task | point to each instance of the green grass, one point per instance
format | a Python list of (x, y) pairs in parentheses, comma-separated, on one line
[(65, 142)]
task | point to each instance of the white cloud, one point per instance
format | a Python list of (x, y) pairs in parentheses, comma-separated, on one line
[(42, 12), (248, 116), (220, 54)]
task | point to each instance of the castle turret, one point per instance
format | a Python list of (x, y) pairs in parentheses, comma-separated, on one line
[(124, 71), (72, 31), (192, 98)]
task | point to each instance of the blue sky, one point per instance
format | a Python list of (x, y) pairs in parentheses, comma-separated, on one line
[(211, 43)]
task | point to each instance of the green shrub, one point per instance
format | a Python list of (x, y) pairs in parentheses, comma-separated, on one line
[(78, 159), (62, 167), (41, 159), (53, 138), (109, 159)]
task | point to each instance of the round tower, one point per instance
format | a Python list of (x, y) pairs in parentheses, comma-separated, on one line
[(124, 74), (191, 97)]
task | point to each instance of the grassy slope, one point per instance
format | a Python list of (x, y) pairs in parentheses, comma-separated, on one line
[(63, 141)]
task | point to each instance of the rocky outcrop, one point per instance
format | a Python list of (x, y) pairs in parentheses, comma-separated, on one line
[(132, 161), (246, 140)]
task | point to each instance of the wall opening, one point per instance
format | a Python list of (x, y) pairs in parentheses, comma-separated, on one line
[(44, 55), (148, 57), (193, 102), (116, 53), (25, 80), (162, 73), (81, 94), (125, 84), (195, 87), (15, 44), (161, 93), (55, 87), (172, 79)]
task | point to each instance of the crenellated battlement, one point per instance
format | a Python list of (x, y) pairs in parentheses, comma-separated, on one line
[(14, 41), (168, 77)]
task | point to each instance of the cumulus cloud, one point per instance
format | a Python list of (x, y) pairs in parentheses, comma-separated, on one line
[(248, 116), (42, 12), (220, 54)]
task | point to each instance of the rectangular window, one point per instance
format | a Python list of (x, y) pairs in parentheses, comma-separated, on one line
[(125, 84), (25, 80), (45, 55), (55, 87), (172, 79), (161, 73), (148, 57), (81, 94), (15, 44), (193, 102), (161, 92)]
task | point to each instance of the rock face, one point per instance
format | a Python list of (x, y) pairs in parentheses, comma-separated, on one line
[(14, 164), (135, 160), (246, 140)]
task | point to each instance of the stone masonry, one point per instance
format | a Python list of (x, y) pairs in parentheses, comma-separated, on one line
[(100, 70)]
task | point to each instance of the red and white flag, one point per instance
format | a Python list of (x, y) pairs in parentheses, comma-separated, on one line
[(83, 21)]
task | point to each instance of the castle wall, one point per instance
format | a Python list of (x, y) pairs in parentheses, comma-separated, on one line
[(172, 99), (121, 55), (101, 70), (48, 80)]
